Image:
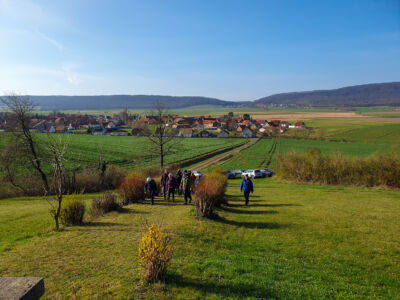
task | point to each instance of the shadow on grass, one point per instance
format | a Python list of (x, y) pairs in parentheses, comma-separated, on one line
[(124, 210), (249, 212), (253, 225), (234, 290), (103, 224), (241, 204)]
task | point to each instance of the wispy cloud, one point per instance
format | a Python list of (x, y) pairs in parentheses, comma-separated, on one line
[(50, 40)]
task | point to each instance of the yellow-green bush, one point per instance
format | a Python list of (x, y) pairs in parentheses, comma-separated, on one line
[(155, 253), (72, 212), (382, 169)]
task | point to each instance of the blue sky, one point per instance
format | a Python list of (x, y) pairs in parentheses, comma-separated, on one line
[(233, 50)]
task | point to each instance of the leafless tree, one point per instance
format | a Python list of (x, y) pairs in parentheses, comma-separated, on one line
[(57, 151), (162, 141), (20, 112)]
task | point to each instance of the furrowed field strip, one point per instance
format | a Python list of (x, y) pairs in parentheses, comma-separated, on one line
[(217, 159), (268, 159), (251, 157)]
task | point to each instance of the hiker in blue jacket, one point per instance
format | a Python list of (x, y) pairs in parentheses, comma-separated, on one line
[(246, 186)]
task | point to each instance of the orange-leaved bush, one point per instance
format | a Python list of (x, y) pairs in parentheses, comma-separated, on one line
[(210, 193), (131, 189), (155, 253)]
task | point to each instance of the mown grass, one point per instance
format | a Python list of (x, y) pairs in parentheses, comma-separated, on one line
[(293, 241)]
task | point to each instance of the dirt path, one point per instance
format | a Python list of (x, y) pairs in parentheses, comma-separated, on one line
[(216, 159)]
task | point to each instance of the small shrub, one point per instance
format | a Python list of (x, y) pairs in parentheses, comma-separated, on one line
[(72, 212), (210, 193), (155, 252), (104, 204), (131, 189)]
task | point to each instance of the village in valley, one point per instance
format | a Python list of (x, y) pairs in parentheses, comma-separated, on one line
[(125, 124)]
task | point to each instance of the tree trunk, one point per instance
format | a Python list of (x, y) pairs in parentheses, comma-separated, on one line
[(57, 214)]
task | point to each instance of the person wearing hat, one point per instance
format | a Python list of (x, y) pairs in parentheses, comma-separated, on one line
[(150, 188), (186, 185), (171, 187)]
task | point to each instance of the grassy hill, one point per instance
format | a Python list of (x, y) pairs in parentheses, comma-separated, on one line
[(292, 242)]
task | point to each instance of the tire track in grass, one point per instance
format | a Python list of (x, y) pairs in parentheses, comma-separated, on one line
[(217, 160), (268, 159)]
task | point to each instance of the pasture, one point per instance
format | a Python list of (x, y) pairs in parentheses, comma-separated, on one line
[(293, 241)]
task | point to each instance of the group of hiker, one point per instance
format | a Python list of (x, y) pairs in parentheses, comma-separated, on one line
[(182, 183)]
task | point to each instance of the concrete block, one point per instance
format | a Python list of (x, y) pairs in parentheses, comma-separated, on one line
[(21, 288)]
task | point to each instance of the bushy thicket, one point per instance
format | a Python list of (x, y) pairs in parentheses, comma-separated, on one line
[(85, 181), (72, 212), (381, 169), (210, 193), (155, 252), (104, 204), (131, 189)]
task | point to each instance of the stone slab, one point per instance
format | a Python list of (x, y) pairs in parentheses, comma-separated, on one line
[(21, 288)]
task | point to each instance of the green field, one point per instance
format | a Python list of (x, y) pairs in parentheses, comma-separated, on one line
[(250, 158), (131, 152), (292, 242), (356, 131), (254, 156), (216, 110)]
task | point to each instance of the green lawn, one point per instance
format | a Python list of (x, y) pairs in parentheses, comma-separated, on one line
[(292, 242)]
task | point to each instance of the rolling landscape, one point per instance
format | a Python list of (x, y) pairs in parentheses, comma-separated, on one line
[(378, 94), (282, 183)]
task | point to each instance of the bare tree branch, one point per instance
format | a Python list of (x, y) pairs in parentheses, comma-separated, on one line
[(21, 108), (162, 142)]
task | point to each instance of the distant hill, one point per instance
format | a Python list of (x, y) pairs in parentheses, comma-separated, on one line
[(359, 95), (121, 101)]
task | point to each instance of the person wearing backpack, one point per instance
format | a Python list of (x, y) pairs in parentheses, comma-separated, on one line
[(178, 180), (186, 185), (171, 187), (164, 179), (150, 189), (247, 187)]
